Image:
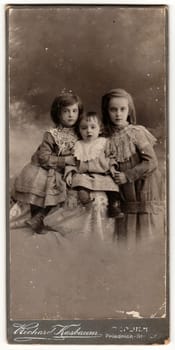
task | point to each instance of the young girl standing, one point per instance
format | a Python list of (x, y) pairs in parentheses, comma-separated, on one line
[(40, 183), (131, 146)]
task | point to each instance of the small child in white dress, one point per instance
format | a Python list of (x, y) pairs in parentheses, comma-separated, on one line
[(93, 170)]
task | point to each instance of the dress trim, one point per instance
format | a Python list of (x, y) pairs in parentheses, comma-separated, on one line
[(135, 207), (65, 138), (124, 143), (86, 151)]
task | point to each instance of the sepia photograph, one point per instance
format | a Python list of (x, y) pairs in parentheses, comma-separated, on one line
[(87, 174)]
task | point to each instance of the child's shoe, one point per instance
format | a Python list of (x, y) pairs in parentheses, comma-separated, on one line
[(84, 196), (114, 211), (36, 223)]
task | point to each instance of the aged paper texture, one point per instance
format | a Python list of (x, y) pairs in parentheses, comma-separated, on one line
[(86, 276)]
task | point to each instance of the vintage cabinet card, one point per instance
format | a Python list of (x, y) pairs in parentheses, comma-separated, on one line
[(87, 247)]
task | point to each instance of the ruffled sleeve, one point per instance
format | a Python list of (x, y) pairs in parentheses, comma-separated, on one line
[(142, 137), (46, 155), (144, 142)]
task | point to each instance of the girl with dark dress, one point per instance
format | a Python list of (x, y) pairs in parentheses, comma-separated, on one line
[(131, 146), (41, 183)]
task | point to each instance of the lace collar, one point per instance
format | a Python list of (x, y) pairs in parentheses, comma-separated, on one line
[(85, 151), (125, 142), (65, 138), (62, 129)]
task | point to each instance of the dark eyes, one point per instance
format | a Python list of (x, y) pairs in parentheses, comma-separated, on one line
[(67, 110), (85, 127), (116, 109)]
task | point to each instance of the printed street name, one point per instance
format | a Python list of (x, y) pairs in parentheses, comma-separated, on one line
[(81, 332)]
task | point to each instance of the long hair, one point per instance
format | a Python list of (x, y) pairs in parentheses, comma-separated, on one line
[(64, 100), (105, 105)]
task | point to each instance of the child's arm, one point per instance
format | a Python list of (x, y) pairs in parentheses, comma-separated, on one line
[(100, 165), (68, 173), (147, 160), (144, 142), (47, 157), (68, 179), (148, 163), (111, 158)]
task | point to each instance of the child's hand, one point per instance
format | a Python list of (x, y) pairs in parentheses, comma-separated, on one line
[(120, 178), (113, 171), (69, 160), (69, 179)]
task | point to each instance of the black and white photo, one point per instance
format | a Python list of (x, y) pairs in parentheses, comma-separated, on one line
[(87, 124)]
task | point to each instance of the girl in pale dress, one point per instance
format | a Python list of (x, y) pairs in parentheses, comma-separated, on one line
[(92, 170), (91, 183)]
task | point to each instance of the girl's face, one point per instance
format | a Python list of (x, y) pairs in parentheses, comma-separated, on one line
[(69, 115), (89, 129), (118, 110)]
